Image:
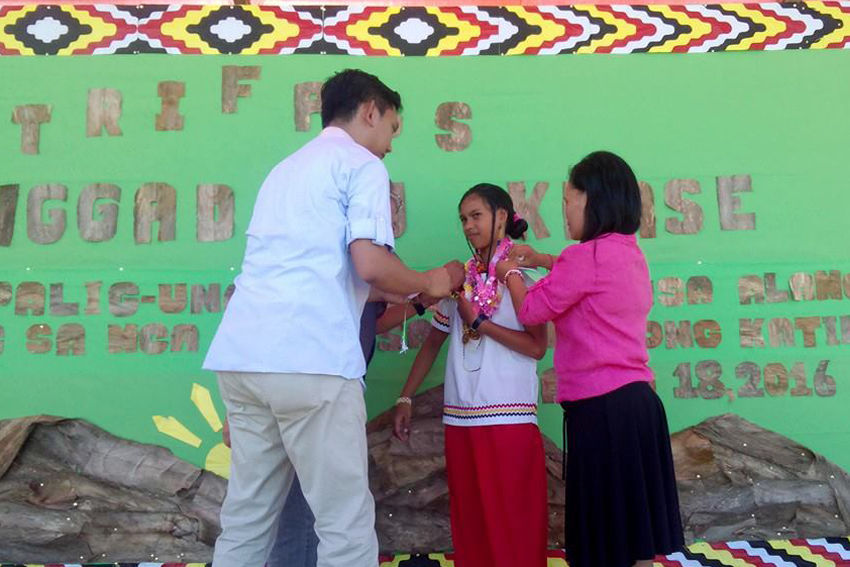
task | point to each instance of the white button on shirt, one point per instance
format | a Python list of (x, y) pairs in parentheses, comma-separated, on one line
[(298, 299)]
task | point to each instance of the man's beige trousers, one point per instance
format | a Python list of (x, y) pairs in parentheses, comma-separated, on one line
[(309, 423)]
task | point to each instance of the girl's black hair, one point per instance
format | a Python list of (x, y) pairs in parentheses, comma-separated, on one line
[(613, 194), (497, 198)]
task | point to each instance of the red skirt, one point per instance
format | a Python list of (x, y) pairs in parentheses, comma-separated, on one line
[(497, 495)]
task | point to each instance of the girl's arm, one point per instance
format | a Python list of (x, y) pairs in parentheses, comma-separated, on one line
[(421, 365), (531, 341)]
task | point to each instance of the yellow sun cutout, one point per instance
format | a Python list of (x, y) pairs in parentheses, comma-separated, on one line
[(218, 458)]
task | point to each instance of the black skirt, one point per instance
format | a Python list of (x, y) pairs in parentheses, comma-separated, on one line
[(622, 504)]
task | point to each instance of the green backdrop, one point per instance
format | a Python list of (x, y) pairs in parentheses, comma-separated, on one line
[(782, 118)]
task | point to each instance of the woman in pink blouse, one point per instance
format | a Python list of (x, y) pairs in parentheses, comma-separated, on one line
[(622, 505)]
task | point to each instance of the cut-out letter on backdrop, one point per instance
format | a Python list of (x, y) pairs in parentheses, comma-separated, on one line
[(5, 293), (103, 111), (750, 290), (461, 134), (30, 117), (71, 340), (209, 298), (398, 209), (38, 230), (122, 300), (700, 290), (708, 333), (8, 208), (771, 293), (210, 198), (529, 209), (729, 203), (802, 286), (231, 90), (58, 306), (29, 299), (647, 211), (307, 102), (654, 334), (750, 333), (169, 117), (93, 297), (38, 339), (678, 334), (185, 334), (781, 332), (671, 291), (123, 339), (98, 222), (692, 214), (150, 339), (828, 285), (173, 302), (155, 202)]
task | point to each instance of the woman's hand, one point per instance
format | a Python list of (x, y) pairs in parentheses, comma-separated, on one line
[(524, 255), (527, 257), (505, 266), (401, 425)]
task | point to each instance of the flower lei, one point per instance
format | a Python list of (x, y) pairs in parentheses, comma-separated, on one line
[(484, 292)]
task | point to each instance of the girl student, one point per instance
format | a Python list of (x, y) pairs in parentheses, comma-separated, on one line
[(622, 505), (494, 450)]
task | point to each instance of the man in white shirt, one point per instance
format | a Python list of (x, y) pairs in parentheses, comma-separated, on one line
[(287, 351)]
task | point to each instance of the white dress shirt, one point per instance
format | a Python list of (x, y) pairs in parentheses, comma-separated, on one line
[(298, 299)]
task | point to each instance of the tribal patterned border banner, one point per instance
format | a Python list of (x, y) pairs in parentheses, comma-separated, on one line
[(103, 29), (827, 552)]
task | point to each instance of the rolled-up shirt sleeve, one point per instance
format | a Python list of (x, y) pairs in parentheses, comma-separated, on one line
[(569, 281), (442, 315), (368, 213)]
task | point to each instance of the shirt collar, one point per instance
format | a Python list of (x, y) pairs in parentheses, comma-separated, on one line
[(335, 132), (618, 237)]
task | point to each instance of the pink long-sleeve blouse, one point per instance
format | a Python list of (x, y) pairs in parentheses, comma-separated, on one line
[(599, 296)]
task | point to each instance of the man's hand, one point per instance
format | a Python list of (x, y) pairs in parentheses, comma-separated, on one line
[(439, 282), (457, 272)]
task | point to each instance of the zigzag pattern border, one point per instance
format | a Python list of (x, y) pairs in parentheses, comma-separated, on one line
[(104, 29), (822, 552)]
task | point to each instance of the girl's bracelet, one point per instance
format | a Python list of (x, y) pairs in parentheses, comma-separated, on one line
[(404, 400), (511, 272)]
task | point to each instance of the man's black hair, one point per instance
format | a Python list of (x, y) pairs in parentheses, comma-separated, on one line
[(343, 94)]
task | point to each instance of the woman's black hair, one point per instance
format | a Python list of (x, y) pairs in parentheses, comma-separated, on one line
[(343, 94), (497, 198), (613, 195)]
